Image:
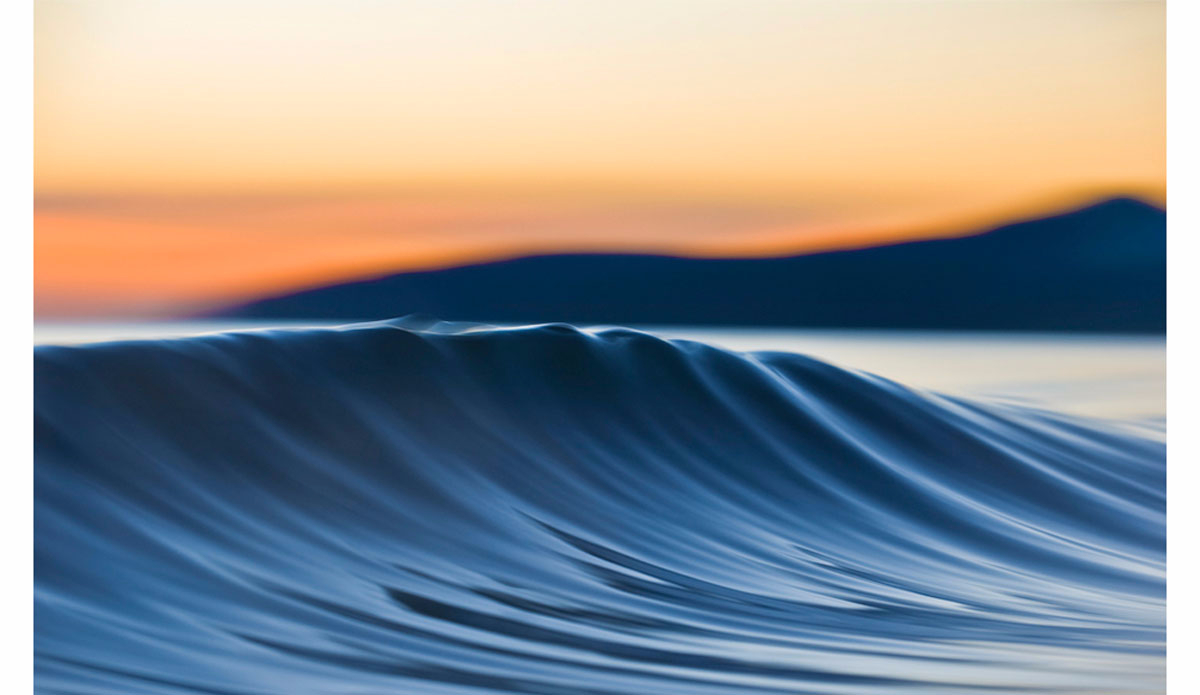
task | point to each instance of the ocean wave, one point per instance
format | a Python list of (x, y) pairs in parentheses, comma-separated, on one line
[(411, 506)]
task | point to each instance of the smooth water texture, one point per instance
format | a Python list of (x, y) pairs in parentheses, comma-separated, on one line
[(432, 508)]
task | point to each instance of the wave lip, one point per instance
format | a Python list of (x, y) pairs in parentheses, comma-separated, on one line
[(429, 507)]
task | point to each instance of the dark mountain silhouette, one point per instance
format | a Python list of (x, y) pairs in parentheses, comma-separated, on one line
[(1099, 268)]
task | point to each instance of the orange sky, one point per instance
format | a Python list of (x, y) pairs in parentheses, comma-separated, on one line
[(202, 151)]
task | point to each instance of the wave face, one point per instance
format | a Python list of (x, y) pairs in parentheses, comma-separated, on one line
[(398, 507)]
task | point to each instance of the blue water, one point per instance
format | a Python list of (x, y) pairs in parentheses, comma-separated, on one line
[(412, 507)]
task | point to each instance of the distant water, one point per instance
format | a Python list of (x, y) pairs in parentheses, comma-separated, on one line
[(415, 507)]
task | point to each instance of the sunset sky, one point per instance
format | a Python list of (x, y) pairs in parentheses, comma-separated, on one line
[(191, 153)]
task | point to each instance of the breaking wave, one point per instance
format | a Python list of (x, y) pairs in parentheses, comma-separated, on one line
[(418, 507)]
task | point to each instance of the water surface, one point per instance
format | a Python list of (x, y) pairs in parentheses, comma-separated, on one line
[(419, 507)]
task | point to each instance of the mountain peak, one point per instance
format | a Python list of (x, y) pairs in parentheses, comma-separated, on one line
[(1122, 204)]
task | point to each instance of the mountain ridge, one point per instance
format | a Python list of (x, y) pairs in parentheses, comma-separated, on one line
[(1100, 267)]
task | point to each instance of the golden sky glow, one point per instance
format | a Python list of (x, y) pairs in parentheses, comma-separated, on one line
[(338, 137)]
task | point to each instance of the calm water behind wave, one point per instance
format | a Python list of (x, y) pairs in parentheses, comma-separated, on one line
[(433, 508)]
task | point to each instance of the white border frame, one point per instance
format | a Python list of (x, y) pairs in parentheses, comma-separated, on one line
[(16, 293), (1183, 348)]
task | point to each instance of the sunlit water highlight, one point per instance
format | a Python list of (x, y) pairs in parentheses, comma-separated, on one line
[(434, 508)]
